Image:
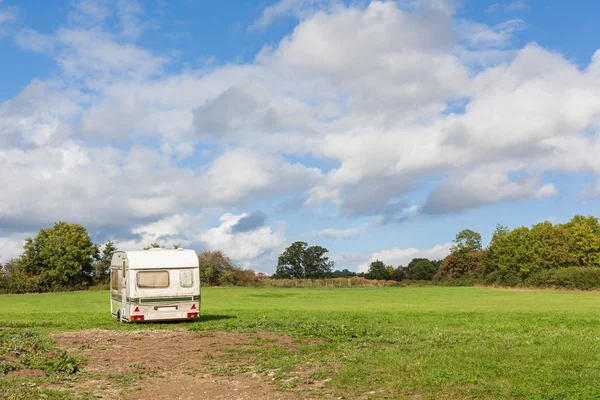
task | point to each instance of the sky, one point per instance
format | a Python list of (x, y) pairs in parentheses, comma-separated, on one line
[(377, 129)]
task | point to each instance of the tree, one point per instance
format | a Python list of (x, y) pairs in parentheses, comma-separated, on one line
[(462, 265), (345, 273), (301, 261), (584, 240), (316, 265), (213, 265), (378, 271), (490, 262), (466, 241), (399, 274), (422, 269), (216, 269), (514, 255), (62, 255), (101, 274), (289, 263), (465, 259), (154, 245)]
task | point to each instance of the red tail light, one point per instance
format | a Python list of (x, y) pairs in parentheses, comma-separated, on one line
[(137, 318), (137, 309), (192, 315), (194, 307)]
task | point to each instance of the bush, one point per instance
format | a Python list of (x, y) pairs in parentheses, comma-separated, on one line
[(577, 278), (216, 269), (503, 278), (566, 278)]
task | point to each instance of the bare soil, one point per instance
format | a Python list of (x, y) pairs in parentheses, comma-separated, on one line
[(26, 373), (172, 364)]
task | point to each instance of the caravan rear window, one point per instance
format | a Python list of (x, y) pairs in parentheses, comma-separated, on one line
[(153, 279), (186, 278), (114, 279)]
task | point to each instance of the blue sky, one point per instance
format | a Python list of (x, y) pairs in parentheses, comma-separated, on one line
[(375, 129)]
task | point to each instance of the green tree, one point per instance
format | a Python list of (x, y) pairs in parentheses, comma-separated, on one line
[(549, 247), (514, 255), (399, 274), (422, 269), (316, 264), (101, 274), (62, 255), (290, 262), (378, 271), (345, 273), (154, 245), (213, 265), (490, 262), (466, 257), (466, 241), (584, 240), (301, 261)]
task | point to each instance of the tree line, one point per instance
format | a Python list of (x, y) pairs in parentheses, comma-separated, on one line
[(545, 255), (63, 257)]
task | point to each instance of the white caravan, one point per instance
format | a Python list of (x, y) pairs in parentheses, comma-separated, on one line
[(155, 285)]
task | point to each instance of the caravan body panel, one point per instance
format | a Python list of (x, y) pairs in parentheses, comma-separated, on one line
[(155, 285)]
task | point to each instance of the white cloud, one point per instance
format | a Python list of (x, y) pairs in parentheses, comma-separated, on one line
[(11, 247), (397, 257), (479, 35), (8, 14), (509, 6), (348, 260), (333, 233), (257, 248), (484, 186), (249, 245), (285, 8)]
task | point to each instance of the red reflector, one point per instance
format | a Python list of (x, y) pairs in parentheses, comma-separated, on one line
[(137, 309), (194, 307), (137, 318), (192, 315)]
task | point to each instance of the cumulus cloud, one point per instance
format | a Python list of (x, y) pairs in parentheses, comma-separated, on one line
[(11, 247), (257, 248), (397, 257), (486, 186), (250, 110), (249, 245)]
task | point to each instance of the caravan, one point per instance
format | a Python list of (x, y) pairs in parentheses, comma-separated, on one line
[(155, 285)]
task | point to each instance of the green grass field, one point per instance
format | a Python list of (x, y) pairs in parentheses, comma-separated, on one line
[(415, 342)]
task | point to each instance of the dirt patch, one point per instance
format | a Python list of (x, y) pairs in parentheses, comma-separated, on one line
[(26, 373), (170, 364)]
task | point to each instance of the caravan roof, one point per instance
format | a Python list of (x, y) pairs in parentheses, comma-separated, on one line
[(160, 258)]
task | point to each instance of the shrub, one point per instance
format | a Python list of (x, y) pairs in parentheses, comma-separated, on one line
[(577, 278)]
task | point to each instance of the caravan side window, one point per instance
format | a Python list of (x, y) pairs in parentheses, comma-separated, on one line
[(114, 279), (186, 278), (153, 279)]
